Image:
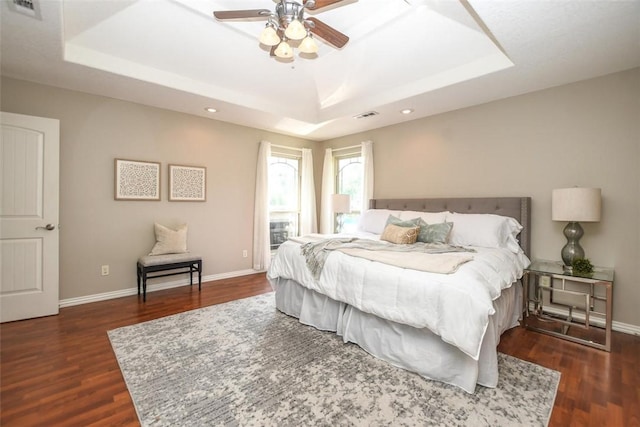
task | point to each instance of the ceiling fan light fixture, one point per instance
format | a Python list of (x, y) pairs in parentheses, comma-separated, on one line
[(269, 36), (295, 30), (287, 22), (284, 50), (308, 45)]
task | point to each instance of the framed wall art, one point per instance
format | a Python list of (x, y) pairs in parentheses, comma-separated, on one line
[(187, 183), (137, 180)]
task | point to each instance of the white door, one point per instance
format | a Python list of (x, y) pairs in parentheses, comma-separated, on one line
[(29, 164)]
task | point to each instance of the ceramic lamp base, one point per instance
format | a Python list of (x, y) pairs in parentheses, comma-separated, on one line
[(572, 250)]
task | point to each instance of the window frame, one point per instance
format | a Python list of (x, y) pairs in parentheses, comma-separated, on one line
[(298, 158), (351, 154)]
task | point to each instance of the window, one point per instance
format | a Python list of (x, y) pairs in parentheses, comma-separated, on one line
[(284, 198), (349, 180)]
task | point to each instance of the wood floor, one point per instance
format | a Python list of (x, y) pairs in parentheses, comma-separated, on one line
[(61, 371)]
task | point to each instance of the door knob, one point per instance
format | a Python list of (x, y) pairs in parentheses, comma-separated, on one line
[(47, 227)]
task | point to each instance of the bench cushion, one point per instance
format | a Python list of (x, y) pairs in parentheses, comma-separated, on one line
[(150, 260)]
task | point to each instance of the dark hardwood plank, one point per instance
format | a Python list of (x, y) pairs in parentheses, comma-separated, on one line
[(61, 370), (597, 388)]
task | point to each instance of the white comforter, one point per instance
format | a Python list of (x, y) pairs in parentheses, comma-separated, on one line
[(454, 306)]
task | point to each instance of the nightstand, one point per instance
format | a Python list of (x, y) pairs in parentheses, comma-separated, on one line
[(569, 306)]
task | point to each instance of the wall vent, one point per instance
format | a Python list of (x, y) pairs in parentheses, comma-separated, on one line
[(25, 7), (365, 115)]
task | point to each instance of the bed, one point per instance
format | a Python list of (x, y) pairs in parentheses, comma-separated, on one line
[(445, 327)]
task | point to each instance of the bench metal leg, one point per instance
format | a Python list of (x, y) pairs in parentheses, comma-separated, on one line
[(144, 286), (143, 271)]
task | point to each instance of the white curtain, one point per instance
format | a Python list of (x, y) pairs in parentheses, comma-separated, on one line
[(261, 244), (308, 215), (367, 182), (328, 188)]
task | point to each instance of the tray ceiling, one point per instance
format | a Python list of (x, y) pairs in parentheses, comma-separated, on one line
[(431, 56)]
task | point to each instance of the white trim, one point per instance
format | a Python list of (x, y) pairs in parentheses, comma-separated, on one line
[(346, 148), (625, 328), (69, 302), (287, 147)]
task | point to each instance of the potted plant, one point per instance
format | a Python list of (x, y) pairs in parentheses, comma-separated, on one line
[(582, 267)]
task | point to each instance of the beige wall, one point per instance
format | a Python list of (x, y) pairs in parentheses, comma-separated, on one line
[(96, 229), (582, 134), (585, 134)]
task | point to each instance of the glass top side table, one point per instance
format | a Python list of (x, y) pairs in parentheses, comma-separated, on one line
[(568, 305), (557, 268)]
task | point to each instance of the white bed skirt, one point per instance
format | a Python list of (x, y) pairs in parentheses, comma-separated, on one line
[(417, 350)]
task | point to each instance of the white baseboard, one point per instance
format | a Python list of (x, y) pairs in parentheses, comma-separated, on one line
[(626, 328), (616, 326), (69, 302)]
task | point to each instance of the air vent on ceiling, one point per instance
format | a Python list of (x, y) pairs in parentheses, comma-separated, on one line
[(26, 7), (365, 115)]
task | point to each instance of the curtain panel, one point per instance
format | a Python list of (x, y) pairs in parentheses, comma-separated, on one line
[(367, 181), (328, 188), (261, 243), (308, 214)]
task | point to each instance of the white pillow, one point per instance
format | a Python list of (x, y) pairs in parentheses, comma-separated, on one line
[(428, 217), (486, 230), (170, 241), (374, 220)]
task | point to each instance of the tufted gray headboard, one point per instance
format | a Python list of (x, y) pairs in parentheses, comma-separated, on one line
[(515, 207)]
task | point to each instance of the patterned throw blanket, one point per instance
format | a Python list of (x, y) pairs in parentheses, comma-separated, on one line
[(430, 257)]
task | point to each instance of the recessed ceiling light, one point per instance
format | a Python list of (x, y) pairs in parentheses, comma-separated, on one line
[(407, 111), (211, 110)]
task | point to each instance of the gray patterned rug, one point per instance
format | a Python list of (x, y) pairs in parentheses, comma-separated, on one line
[(244, 363)]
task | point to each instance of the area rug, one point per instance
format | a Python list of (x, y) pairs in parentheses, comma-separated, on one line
[(243, 363)]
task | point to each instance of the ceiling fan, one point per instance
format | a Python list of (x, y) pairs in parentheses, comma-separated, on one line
[(288, 23)]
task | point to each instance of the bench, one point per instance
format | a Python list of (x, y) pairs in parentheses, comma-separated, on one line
[(161, 263)]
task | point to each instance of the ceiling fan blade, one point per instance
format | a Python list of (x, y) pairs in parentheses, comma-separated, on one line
[(327, 33), (242, 14), (319, 4)]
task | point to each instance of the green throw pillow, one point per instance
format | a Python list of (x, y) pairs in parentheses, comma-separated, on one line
[(403, 223), (434, 233)]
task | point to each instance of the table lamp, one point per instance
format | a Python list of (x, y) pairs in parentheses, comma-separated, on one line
[(340, 204), (574, 205)]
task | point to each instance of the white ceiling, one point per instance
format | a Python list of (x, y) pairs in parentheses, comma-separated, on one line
[(428, 55)]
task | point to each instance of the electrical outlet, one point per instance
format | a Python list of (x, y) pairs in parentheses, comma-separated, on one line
[(105, 270), (545, 281), (244, 254)]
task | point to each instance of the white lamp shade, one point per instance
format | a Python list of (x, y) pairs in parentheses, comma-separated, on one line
[(308, 45), (283, 50), (269, 36), (295, 30), (341, 203), (576, 204)]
